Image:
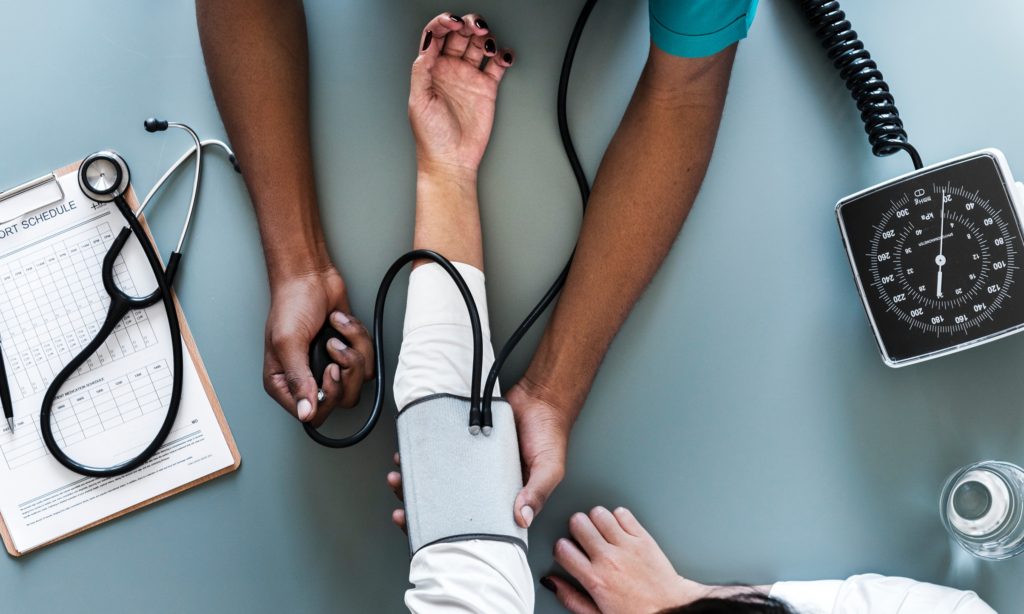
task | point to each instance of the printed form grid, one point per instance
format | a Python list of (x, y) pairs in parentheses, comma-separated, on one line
[(93, 410), (52, 302), (63, 281)]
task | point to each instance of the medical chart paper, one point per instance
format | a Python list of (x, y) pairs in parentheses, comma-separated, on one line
[(52, 302)]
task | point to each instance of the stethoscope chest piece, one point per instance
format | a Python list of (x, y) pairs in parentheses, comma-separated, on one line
[(103, 176)]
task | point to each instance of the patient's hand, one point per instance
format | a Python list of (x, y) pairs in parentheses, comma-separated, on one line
[(451, 98)]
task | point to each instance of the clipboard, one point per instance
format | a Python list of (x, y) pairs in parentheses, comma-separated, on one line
[(25, 199)]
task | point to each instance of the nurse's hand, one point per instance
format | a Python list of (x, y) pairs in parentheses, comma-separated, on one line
[(451, 98), (299, 306), (543, 431)]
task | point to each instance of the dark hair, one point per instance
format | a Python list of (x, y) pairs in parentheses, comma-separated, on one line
[(749, 603)]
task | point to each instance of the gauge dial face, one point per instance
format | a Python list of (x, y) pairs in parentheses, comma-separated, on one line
[(937, 258)]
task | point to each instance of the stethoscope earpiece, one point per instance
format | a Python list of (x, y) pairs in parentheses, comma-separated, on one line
[(104, 176), (155, 125)]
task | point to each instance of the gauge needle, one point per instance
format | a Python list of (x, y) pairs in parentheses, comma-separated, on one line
[(941, 258)]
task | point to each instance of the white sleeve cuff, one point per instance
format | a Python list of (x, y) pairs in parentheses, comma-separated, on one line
[(470, 576), (817, 597), (874, 593), (435, 299)]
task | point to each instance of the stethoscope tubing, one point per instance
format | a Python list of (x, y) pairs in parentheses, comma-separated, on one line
[(380, 380), (120, 304)]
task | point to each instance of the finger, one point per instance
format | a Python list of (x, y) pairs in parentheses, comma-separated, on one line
[(586, 534), (544, 476), (274, 384), (398, 517), (458, 40), (353, 369), (629, 523), (357, 336), (497, 65), (397, 459), (292, 350), (431, 44), (607, 525), (569, 596), (395, 482), (572, 559), (435, 32), (479, 48), (332, 391), (474, 26)]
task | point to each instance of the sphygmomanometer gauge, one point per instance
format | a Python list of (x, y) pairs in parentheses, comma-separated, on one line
[(936, 255)]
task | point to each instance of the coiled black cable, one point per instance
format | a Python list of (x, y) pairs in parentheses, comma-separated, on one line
[(584, 188), (868, 88)]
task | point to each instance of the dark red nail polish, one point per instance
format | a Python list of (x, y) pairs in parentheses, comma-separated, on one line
[(547, 583), (507, 57), (426, 41), (456, 18), (489, 46), (480, 23)]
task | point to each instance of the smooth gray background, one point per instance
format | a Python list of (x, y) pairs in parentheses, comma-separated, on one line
[(743, 412)]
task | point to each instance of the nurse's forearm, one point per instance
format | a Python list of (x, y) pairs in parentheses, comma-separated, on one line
[(647, 182), (258, 63)]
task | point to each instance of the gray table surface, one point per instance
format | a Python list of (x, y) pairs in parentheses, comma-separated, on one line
[(743, 412)]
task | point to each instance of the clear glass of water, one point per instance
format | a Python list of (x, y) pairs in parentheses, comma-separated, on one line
[(982, 507)]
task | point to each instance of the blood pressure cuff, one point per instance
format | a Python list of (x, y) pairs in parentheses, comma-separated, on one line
[(458, 486)]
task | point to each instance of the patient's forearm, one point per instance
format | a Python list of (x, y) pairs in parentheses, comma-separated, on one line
[(646, 184), (257, 60), (448, 216)]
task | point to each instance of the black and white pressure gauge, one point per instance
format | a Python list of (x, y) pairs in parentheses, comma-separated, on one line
[(936, 256)]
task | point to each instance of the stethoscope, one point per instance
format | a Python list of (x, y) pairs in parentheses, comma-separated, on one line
[(104, 177)]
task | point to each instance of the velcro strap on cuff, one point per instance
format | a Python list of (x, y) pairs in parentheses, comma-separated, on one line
[(458, 486)]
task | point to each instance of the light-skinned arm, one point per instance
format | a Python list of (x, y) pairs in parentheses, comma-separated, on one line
[(644, 189), (257, 60)]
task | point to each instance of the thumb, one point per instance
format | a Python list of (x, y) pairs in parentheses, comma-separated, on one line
[(569, 596), (545, 473), (294, 358)]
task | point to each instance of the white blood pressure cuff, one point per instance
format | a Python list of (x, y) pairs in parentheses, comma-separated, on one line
[(458, 486)]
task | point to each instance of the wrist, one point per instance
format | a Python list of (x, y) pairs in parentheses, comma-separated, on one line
[(441, 173), (558, 378), (700, 591), (306, 257), (563, 412)]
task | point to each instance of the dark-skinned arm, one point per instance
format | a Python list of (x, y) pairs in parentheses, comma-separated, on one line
[(649, 177), (257, 60)]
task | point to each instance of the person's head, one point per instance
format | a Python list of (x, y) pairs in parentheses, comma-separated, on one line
[(751, 603)]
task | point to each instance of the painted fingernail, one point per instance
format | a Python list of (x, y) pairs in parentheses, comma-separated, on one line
[(336, 344), (457, 18), (507, 57), (426, 40), (527, 513), (340, 318), (304, 408), (489, 46), (480, 23), (335, 372), (549, 584)]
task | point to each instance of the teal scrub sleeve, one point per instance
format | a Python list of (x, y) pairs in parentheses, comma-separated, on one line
[(699, 28)]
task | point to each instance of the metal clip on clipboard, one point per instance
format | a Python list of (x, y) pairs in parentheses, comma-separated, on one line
[(23, 199)]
